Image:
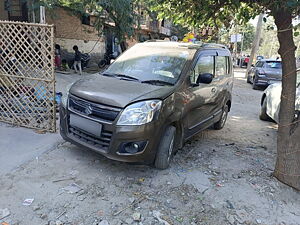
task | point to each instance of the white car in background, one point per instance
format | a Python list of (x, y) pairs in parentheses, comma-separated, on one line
[(270, 101)]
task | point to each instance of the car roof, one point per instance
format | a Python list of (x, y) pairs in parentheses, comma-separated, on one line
[(173, 44)]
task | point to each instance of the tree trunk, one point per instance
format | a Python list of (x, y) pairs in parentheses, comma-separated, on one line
[(287, 168), (255, 44)]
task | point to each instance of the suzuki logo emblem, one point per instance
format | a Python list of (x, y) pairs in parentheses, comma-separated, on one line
[(88, 110)]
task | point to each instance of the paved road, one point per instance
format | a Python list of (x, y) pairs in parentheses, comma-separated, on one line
[(20, 145)]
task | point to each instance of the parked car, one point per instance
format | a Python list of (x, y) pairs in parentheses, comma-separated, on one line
[(271, 98), (264, 73), (148, 102)]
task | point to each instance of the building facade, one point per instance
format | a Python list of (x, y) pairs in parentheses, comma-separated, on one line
[(72, 30)]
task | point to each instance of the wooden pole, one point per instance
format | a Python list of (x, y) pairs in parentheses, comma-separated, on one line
[(256, 41)]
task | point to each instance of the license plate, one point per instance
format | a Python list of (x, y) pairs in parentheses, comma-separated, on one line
[(86, 125)]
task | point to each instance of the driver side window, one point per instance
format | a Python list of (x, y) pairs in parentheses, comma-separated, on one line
[(205, 64)]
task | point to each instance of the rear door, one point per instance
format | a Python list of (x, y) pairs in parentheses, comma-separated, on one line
[(222, 80)]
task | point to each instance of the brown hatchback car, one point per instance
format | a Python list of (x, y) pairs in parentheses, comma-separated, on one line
[(153, 98)]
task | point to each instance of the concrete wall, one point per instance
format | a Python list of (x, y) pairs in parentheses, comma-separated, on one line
[(3, 13), (96, 49), (70, 31)]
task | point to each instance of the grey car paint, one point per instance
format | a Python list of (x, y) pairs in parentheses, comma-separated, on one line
[(269, 76)]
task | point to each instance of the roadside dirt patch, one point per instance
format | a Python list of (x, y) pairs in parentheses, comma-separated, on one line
[(219, 177)]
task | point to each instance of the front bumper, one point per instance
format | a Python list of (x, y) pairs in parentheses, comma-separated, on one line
[(112, 137)]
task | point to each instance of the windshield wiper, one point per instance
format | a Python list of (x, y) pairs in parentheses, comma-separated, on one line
[(120, 76), (127, 76), (154, 82), (108, 74)]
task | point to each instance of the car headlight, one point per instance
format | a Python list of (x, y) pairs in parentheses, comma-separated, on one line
[(140, 113), (64, 98)]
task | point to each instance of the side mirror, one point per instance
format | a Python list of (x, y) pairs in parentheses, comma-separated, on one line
[(252, 65), (205, 78)]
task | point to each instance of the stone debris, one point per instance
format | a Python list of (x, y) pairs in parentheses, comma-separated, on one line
[(104, 222), (72, 188), (157, 215), (4, 213), (137, 216)]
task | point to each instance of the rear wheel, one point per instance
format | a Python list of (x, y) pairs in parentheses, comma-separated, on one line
[(263, 112), (165, 149), (221, 123), (254, 86)]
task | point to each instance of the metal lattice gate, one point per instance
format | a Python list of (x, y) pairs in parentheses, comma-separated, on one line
[(27, 81)]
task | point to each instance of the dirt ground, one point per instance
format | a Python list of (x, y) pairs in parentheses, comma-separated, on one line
[(219, 177)]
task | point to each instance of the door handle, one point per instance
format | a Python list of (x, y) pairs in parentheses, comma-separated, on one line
[(213, 90)]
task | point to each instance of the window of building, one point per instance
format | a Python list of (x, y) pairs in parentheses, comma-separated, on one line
[(17, 10), (86, 20)]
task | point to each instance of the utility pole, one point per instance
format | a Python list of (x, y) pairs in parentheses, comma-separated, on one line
[(256, 41)]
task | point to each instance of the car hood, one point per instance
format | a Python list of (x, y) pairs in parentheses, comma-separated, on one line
[(117, 92)]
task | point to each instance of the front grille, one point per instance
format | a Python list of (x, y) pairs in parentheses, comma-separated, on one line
[(94, 110), (101, 142)]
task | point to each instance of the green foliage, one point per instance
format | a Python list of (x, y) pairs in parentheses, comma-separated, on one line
[(199, 13)]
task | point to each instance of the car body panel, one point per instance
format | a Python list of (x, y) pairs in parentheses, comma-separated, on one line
[(273, 96), (99, 87), (263, 75)]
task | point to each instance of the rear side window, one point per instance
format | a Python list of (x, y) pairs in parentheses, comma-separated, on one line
[(273, 65), (222, 66)]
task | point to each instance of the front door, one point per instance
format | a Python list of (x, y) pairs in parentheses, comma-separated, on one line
[(201, 96)]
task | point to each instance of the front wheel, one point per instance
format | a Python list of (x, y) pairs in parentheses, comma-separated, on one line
[(165, 149), (221, 123), (263, 112), (248, 79)]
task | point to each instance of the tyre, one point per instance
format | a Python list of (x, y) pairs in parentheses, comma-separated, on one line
[(254, 86), (248, 79), (221, 123), (263, 111), (165, 149)]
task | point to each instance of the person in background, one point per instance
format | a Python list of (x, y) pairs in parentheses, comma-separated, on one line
[(77, 59), (57, 57), (246, 61)]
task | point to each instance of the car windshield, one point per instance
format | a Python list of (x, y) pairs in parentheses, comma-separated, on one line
[(156, 65), (273, 65)]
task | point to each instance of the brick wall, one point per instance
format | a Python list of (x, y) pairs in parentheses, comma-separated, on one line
[(69, 26)]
